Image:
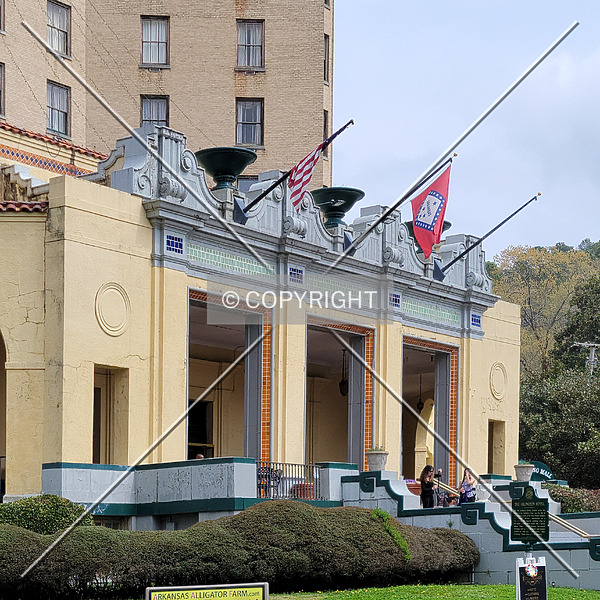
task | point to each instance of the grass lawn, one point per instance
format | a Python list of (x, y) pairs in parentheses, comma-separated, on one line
[(454, 592)]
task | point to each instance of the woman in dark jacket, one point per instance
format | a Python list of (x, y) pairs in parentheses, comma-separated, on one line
[(427, 486)]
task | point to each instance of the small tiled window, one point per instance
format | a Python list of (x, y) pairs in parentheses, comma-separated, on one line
[(326, 58), (58, 27), (174, 244), (58, 115), (250, 44), (1, 89), (155, 41), (395, 300), (155, 110), (249, 122), (296, 275)]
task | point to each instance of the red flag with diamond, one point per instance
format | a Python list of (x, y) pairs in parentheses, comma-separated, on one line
[(429, 208)]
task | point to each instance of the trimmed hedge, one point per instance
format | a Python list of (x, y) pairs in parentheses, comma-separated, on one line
[(292, 545), (43, 514), (574, 500)]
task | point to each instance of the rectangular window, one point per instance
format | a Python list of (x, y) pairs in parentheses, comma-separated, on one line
[(58, 27), (326, 58), (58, 115), (250, 44), (155, 110), (327, 3), (1, 15), (155, 41), (325, 131), (249, 123), (1, 88)]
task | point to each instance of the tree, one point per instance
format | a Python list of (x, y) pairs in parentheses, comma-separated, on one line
[(560, 425), (582, 325), (542, 281)]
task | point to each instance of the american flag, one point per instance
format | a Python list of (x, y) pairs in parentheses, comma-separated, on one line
[(301, 174)]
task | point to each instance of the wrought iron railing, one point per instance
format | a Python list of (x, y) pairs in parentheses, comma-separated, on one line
[(288, 481)]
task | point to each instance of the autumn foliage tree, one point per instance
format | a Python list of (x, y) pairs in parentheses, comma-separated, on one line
[(559, 294), (542, 281)]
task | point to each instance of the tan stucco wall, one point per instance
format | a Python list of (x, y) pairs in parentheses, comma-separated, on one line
[(96, 236), (22, 329), (483, 363)]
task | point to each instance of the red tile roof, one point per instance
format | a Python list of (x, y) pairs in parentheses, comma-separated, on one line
[(53, 140), (23, 206)]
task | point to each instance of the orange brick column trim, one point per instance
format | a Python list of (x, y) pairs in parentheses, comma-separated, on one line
[(369, 359), (267, 329), (453, 412)]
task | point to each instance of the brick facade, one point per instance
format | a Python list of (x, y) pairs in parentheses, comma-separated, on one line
[(201, 81)]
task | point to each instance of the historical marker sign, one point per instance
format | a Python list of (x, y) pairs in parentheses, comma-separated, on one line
[(234, 591), (534, 512)]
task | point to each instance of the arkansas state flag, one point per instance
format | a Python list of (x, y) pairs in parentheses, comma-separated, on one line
[(429, 208)]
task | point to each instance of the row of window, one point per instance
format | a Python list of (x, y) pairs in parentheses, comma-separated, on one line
[(156, 43), (249, 118), (155, 110)]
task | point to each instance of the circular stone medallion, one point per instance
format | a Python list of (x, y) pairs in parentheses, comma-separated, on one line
[(498, 380), (112, 308)]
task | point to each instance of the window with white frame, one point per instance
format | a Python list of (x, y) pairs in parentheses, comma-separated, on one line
[(155, 110), (58, 112), (249, 123), (58, 27), (250, 44), (155, 41)]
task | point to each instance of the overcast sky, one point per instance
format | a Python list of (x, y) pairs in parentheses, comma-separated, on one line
[(415, 75)]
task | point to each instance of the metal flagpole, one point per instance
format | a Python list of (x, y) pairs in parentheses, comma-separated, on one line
[(352, 247), (439, 273)]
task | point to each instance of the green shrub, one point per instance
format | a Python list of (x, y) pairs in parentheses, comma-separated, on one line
[(574, 500), (292, 545), (45, 514), (396, 535)]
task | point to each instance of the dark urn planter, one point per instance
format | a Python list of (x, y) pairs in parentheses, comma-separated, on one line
[(225, 163), (335, 202)]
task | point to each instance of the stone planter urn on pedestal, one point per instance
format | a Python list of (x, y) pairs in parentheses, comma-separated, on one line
[(225, 163), (335, 202), (523, 471), (376, 459)]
